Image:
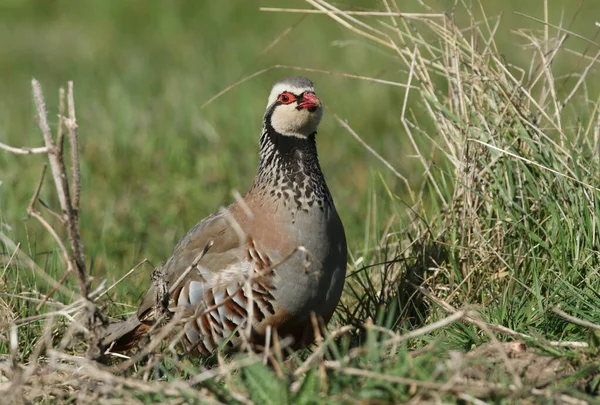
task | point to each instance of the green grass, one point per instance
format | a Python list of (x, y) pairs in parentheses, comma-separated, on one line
[(498, 214)]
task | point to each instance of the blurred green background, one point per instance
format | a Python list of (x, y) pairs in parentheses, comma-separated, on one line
[(154, 162)]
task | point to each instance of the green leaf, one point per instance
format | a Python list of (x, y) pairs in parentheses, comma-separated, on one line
[(309, 390), (264, 386)]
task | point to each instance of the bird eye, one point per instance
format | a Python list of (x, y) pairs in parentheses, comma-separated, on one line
[(286, 98)]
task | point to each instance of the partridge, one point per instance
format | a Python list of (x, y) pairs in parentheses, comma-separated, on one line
[(272, 258)]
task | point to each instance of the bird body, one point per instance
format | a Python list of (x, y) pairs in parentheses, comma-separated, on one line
[(271, 258)]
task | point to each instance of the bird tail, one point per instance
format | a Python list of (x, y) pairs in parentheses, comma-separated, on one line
[(122, 336)]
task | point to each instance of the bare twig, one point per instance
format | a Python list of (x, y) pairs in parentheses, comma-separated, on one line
[(42, 119), (74, 142), (61, 117), (60, 180), (69, 216), (574, 319), (23, 151), (53, 290), (36, 193)]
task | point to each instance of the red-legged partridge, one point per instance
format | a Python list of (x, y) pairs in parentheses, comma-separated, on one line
[(275, 257)]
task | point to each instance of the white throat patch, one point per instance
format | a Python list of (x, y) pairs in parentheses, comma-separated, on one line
[(287, 120)]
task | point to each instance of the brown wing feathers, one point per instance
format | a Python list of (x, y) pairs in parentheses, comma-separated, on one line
[(216, 312)]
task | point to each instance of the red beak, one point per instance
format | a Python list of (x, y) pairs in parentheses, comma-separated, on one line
[(309, 100)]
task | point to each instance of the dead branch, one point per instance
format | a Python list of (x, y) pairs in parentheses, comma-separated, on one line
[(68, 193), (23, 151), (57, 165)]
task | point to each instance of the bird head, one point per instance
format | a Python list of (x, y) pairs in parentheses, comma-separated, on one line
[(293, 108)]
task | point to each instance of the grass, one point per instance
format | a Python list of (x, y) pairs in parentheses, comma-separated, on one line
[(487, 238)]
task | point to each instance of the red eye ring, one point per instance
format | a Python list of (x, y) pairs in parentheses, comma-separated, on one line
[(286, 98)]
